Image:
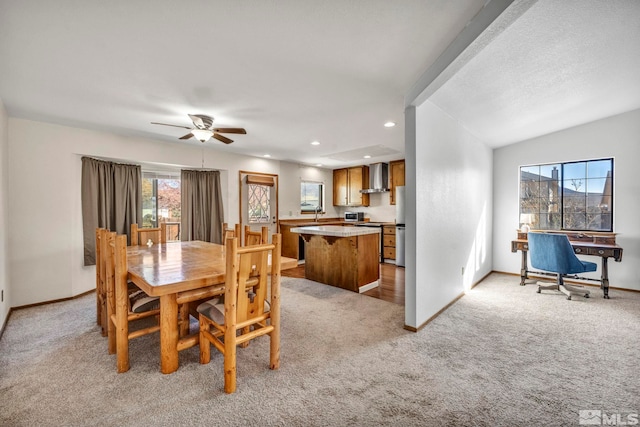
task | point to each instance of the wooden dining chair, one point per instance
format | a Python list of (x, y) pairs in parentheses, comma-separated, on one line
[(244, 313), (101, 287), (123, 305), (230, 232), (140, 236), (255, 237)]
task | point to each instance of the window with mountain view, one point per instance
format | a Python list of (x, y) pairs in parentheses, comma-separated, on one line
[(568, 196), (311, 197)]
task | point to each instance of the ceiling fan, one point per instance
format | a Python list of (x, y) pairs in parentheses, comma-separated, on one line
[(203, 129)]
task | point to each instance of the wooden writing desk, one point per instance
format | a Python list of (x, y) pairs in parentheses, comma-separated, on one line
[(178, 273), (602, 245)]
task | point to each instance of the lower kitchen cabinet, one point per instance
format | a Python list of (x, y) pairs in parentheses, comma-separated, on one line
[(389, 241)]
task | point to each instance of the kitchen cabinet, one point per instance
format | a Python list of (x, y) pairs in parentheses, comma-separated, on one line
[(396, 178), (389, 241), (347, 184), (290, 241)]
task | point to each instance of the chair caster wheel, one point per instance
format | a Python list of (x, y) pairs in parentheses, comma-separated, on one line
[(569, 297), (586, 295), (538, 291)]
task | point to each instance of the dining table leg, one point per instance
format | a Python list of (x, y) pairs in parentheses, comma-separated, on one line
[(168, 333)]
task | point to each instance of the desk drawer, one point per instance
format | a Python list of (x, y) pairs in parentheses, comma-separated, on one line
[(601, 252)]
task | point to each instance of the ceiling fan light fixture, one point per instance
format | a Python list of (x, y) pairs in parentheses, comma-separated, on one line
[(202, 135)]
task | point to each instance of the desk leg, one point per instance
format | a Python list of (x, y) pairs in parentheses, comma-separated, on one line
[(168, 334), (524, 270), (604, 281)]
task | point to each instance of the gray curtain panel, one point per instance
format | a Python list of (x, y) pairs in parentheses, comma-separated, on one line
[(111, 199), (201, 206)]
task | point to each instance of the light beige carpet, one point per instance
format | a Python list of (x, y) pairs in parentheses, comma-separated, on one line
[(500, 356)]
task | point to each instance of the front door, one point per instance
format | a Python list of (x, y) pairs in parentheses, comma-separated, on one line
[(259, 201)]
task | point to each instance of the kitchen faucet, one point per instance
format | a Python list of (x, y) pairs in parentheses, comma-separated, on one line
[(317, 210)]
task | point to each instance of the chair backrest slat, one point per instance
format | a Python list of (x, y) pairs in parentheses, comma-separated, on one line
[(140, 236)]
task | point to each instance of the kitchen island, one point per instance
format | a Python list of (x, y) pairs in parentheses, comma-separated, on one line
[(346, 257)]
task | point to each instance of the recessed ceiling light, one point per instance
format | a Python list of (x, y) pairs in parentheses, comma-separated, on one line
[(318, 164), (267, 155), (315, 143), (389, 124), (367, 156)]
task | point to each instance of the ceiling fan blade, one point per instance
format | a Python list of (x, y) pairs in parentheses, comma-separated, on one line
[(222, 138), (175, 126), (230, 130), (187, 136)]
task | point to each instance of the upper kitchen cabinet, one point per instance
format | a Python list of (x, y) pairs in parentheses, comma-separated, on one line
[(396, 178), (347, 184)]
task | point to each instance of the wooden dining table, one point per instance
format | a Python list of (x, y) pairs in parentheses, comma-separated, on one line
[(179, 273)]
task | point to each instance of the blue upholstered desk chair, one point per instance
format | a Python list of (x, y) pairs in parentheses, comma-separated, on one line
[(553, 252)]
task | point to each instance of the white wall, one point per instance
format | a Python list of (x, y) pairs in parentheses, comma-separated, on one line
[(44, 205), (379, 210), (449, 211), (5, 304), (616, 137)]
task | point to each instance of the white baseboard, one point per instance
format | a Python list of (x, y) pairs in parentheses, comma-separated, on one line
[(368, 286)]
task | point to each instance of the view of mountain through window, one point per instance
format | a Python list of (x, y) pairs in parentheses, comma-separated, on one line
[(311, 196)]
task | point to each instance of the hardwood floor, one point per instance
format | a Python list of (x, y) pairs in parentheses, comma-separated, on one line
[(390, 288)]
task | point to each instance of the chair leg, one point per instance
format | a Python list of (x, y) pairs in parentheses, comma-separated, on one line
[(205, 345), (547, 287), (245, 330), (575, 290), (230, 359)]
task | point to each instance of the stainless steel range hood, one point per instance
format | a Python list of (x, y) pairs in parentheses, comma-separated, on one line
[(378, 178)]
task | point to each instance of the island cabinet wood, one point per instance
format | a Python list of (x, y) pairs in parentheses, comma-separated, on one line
[(291, 241), (346, 257), (396, 178), (347, 184)]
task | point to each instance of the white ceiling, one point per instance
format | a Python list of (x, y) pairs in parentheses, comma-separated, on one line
[(292, 71), (560, 64)]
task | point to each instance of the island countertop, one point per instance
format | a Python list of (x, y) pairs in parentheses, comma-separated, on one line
[(335, 230)]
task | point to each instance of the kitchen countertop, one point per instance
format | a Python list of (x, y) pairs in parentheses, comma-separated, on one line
[(335, 230)]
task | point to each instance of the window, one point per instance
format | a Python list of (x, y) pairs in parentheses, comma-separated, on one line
[(259, 203), (568, 196), (311, 197), (161, 201)]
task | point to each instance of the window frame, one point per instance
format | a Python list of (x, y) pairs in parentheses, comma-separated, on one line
[(564, 200), (321, 197)]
